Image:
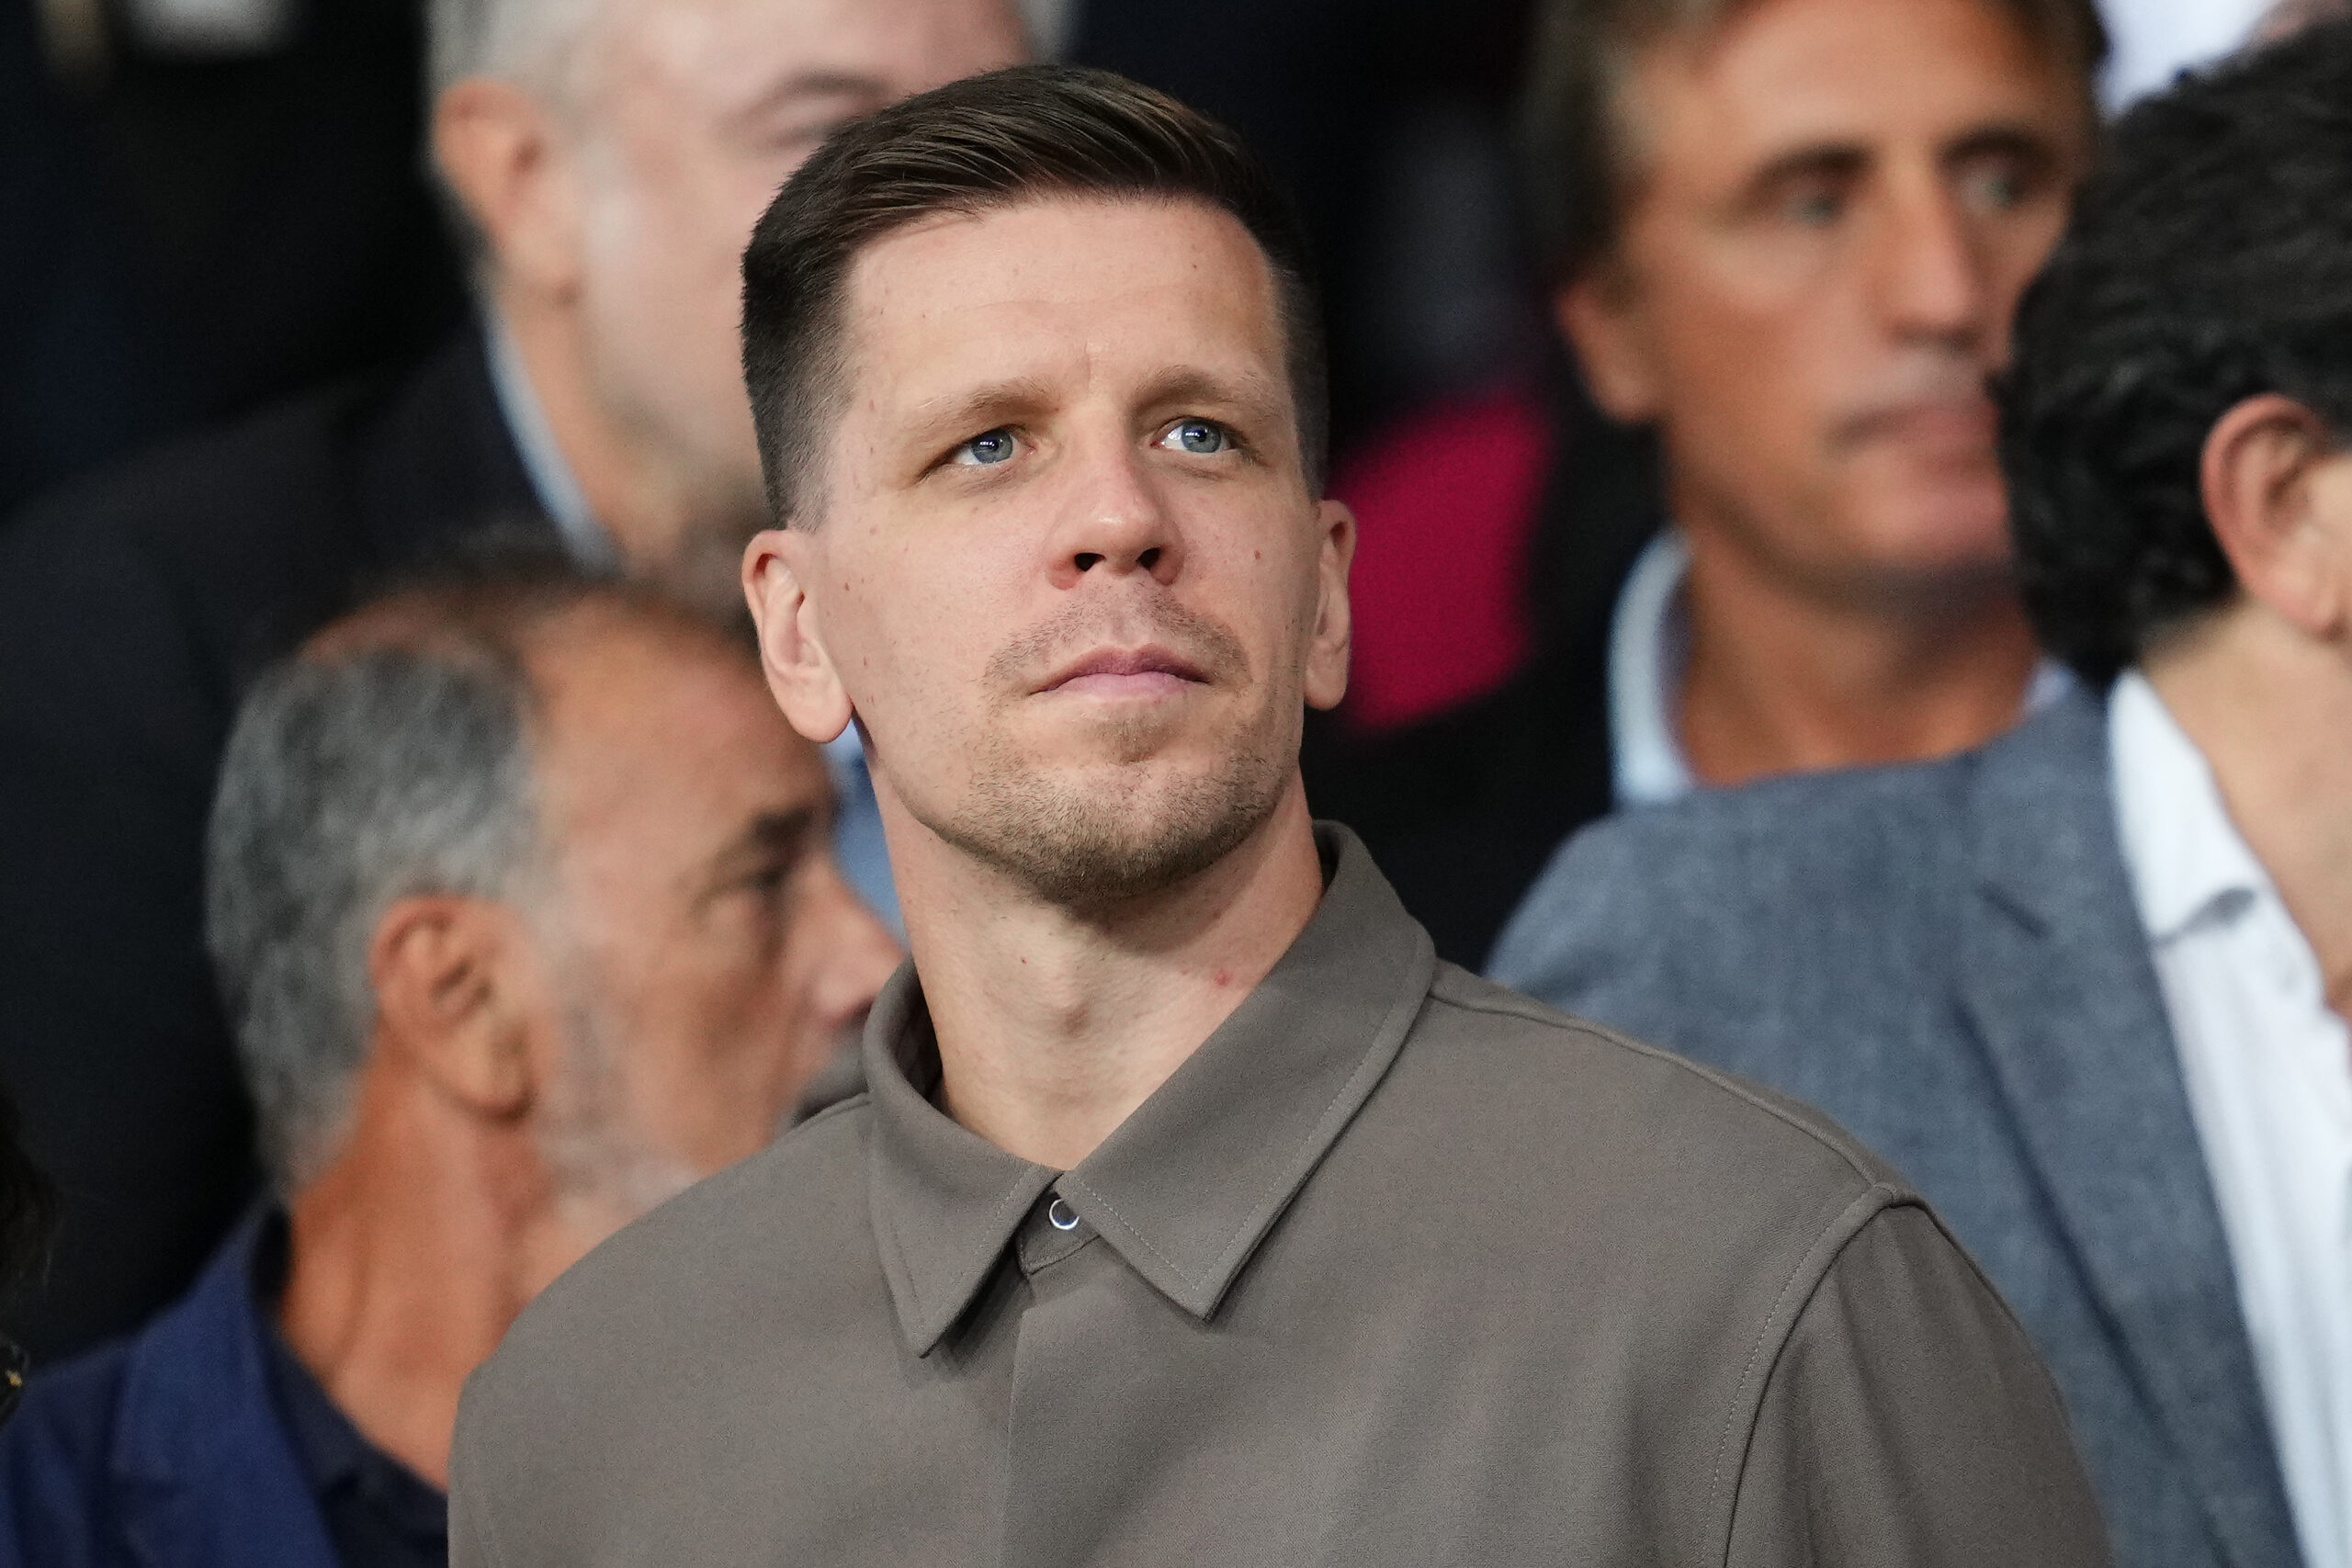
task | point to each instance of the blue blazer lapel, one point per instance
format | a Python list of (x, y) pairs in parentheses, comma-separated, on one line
[(204, 1475), (2060, 986)]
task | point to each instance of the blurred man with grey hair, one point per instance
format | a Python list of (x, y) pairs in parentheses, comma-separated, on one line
[(607, 158), (521, 897)]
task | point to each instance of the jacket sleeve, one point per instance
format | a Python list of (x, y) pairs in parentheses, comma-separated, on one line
[(1906, 1423), (471, 1541)]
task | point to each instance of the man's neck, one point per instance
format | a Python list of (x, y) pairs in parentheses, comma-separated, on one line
[(655, 505), (1054, 1026), (1781, 680), (404, 1272), (2272, 712)]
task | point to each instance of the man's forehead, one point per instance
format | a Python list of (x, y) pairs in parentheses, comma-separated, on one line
[(737, 53), (1124, 284), (1776, 76), (639, 723), (611, 679)]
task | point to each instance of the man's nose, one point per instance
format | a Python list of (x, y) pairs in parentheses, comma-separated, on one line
[(1932, 280), (1114, 521)]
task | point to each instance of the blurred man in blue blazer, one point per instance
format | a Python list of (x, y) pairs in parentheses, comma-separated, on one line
[(521, 895), (2088, 986)]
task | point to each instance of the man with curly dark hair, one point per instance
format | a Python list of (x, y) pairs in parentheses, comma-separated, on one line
[(2090, 985)]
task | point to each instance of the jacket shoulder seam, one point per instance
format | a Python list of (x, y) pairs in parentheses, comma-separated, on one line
[(1780, 1322), (1535, 1013)]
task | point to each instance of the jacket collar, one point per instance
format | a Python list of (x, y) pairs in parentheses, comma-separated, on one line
[(203, 1471), (1186, 1188), (2058, 979)]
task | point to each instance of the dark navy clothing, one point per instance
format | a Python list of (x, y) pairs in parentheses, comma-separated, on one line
[(380, 1513), (201, 1442)]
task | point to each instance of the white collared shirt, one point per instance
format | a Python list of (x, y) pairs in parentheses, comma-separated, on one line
[(2268, 1069), (1649, 648)]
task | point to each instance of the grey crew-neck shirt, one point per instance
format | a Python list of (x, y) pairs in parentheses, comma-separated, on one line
[(1398, 1268)]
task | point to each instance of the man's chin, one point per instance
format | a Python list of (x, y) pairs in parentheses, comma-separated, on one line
[(1930, 521), (1097, 833), (1104, 739), (1141, 772)]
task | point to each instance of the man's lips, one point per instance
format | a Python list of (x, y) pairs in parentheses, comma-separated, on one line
[(1126, 672), (1950, 424)]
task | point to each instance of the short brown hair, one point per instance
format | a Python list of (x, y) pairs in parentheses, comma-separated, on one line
[(1578, 173), (979, 144)]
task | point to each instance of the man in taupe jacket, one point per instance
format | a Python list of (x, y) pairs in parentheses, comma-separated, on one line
[(1194, 1213)]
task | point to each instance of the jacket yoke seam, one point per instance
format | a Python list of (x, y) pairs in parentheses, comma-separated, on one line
[(1722, 1083), (1850, 1220)]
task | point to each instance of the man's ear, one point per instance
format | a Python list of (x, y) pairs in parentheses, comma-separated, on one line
[(792, 649), (2276, 485), (1327, 655), (1600, 315), (459, 994), (499, 149)]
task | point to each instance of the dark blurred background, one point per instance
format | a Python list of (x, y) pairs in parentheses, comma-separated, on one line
[(213, 203), (208, 207)]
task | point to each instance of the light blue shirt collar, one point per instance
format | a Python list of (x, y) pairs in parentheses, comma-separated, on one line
[(1649, 649), (554, 484)]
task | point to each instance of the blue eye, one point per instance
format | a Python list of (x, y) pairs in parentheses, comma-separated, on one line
[(1201, 437), (1817, 209), (987, 450), (1996, 190)]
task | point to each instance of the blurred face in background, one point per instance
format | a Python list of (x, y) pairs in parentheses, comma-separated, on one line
[(620, 178), (702, 955), (1834, 206), (691, 113)]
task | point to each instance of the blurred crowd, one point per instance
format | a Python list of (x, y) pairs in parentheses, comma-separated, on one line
[(406, 881)]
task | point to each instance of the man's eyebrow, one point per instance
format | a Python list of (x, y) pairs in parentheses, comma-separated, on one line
[(1255, 394), (2009, 140), (1820, 160), (1844, 160), (1010, 401), (976, 409), (805, 87), (771, 835)]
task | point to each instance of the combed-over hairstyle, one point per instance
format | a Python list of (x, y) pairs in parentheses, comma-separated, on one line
[(389, 757), (2209, 261), (1582, 164), (981, 145)]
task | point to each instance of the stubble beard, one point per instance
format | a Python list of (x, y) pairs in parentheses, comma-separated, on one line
[(1114, 834), (606, 1173)]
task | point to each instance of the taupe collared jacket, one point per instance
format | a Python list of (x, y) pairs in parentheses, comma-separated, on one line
[(1398, 1268)]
